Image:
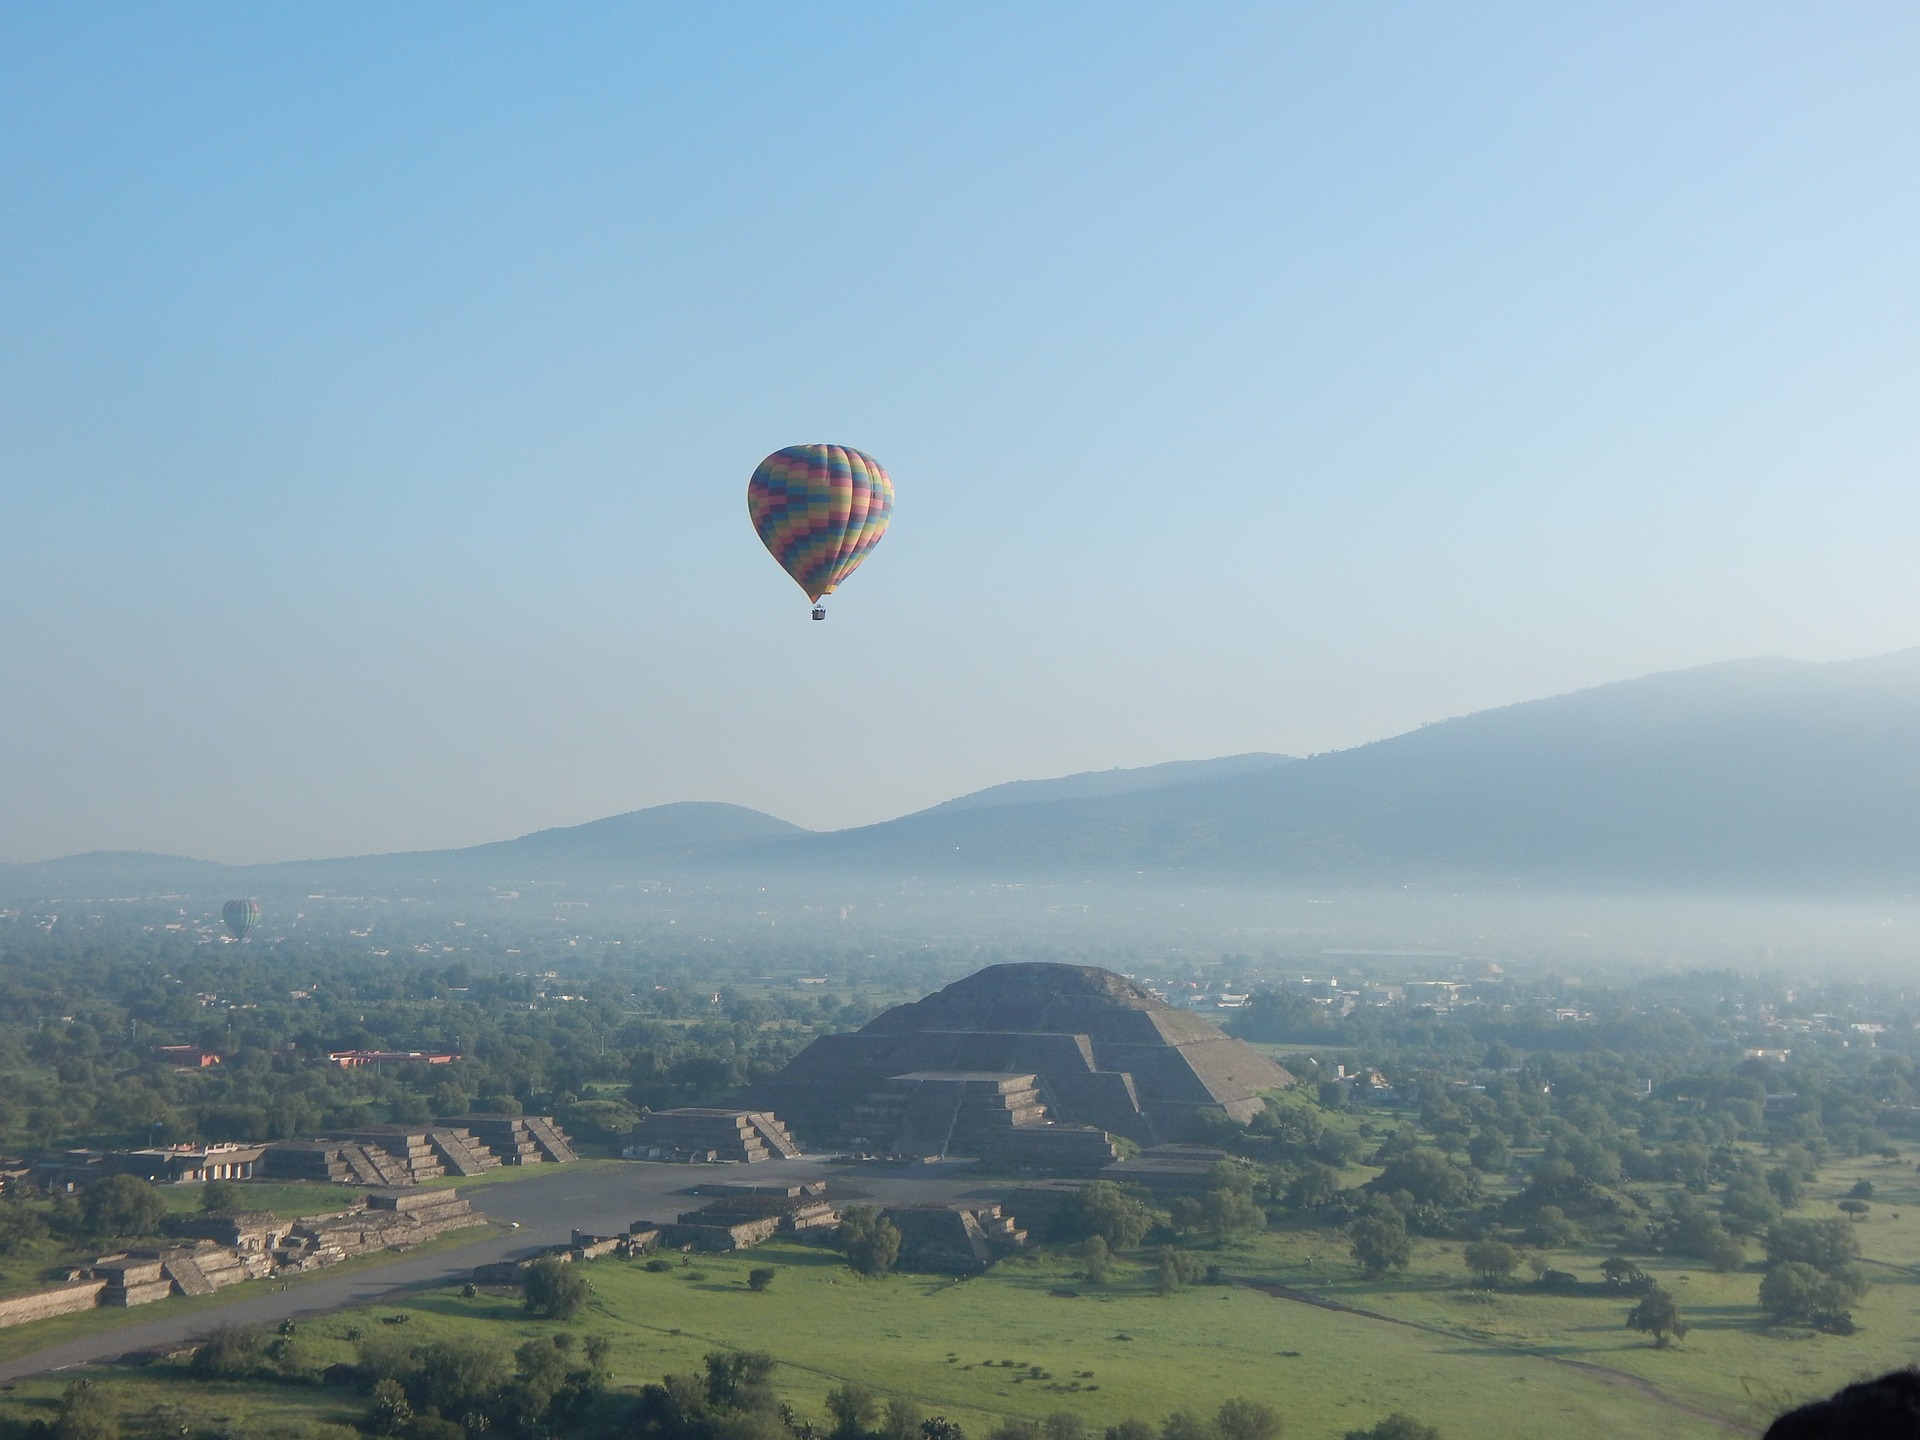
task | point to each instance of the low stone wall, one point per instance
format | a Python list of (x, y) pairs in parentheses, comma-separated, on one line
[(719, 1238), (82, 1295)]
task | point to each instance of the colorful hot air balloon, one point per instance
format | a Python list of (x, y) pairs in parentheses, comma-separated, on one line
[(819, 510), (240, 917)]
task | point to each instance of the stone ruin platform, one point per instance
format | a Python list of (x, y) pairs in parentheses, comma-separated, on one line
[(714, 1136)]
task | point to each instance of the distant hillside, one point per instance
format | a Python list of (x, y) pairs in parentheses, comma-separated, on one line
[(1762, 773), (1091, 784), (620, 848)]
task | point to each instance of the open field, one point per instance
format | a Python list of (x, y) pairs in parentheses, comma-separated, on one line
[(942, 1342), (1296, 1326)]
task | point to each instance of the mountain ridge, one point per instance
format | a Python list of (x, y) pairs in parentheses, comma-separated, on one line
[(1749, 773)]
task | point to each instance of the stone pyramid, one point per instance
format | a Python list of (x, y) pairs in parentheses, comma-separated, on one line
[(1104, 1052)]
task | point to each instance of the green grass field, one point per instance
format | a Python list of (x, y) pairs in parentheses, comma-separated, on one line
[(1512, 1362)]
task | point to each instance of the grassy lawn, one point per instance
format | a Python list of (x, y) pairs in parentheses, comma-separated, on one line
[(151, 1402), (1494, 1365), (942, 1342)]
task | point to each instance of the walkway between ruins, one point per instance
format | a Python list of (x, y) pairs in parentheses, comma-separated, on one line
[(550, 1204)]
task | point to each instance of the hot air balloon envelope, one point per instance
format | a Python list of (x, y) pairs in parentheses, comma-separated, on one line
[(819, 510), (240, 917)]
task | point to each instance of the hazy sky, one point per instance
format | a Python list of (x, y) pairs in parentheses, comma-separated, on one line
[(379, 384)]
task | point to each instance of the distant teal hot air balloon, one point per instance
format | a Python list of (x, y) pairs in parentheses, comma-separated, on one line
[(240, 917), (819, 510)]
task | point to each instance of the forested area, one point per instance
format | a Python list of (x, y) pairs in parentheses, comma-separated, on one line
[(82, 1017)]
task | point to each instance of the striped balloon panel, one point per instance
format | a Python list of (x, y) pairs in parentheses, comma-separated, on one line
[(819, 510), (241, 916)]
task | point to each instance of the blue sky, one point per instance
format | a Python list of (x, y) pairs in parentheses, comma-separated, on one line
[(378, 387)]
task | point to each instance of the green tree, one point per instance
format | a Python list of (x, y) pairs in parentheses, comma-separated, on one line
[(388, 1409), (122, 1205), (1827, 1245), (870, 1242), (1428, 1176), (740, 1380), (1109, 1211), (1659, 1316), (760, 1278), (1796, 1292), (230, 1351), (854, 1408), (555, 1289), (1699, 1234), (1238, 1419), (1175, 1268), (1492, 1260), (1229, 1211), (1487, 1152), (1552, 1229), (85, 1414), (1748, 1205), (1097, 1260), (454, 1376), (1378, 1242), (1314, 1186), (1185, 1425), (1621, 1274), (874, 1256), (1785, 1183), (903, 1421), (220, 1197)]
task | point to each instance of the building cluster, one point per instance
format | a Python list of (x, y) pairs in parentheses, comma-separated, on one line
[(377, 1155), (222, 1250), (962, 1238)]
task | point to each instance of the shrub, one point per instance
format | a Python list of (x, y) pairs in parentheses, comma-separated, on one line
[(1098, 1260), (1396, 1427), (388, 1410), (904, 1420), (1492, 1260), (1659, 1316), (1378, 1242), (1797, 1292), (1108, 1210), (1824, 1244), (230, 1351), (854, 1408), (760, 1277), (122, 1205), (869, 1241), (84, 1414), (1239, 1419), (554, 1288)]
